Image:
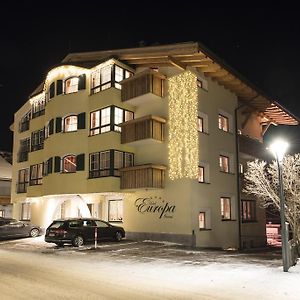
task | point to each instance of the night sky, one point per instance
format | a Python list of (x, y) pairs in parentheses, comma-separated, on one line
[(262, 42)]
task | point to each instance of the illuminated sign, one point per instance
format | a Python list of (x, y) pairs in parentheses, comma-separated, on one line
[(155, 205)]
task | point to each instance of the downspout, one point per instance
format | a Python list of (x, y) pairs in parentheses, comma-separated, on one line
[(237, 148)]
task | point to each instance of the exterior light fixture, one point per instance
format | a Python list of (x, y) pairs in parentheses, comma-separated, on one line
[(278, 148)]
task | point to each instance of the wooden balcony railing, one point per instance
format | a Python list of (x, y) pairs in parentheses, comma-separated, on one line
[(141, 84), (147, 127), (143, 176)]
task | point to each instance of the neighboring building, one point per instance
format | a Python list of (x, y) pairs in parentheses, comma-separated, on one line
[(5, 184), (154, 138)]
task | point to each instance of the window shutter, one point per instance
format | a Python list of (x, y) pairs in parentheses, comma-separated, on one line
[(52, 90), (81, 121), (50, 165), (57, 164), (58, 125), (51, 126), (80, 162), (81, 82), (59, 87)]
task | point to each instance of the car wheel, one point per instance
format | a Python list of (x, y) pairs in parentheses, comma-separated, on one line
[(34, 232), (78, 241), (118, 236)]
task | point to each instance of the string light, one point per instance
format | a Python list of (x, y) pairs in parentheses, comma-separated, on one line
[(38, 98), (183, 134), (63, 72)]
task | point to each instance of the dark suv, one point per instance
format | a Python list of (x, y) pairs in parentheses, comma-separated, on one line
[(79, 231)]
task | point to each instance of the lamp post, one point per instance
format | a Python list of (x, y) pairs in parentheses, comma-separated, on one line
[(278, 148)]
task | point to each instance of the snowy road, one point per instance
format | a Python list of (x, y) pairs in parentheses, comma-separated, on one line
[(123, 271)]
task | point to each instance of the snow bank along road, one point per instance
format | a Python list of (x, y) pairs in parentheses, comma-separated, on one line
[(32, 269)]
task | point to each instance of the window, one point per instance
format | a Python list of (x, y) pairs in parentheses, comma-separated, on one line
[(115, 210), (248, 210), (25, 212), (23, 180), (38, 106), (24, 150), (102, 78), (70, 123), (2, 213), (202, 220), (241, 168), (108, 119), (201, 177), (224, 163), (226, 208), (37, 140), (223, 123), (108, 163), (71, 85), (69, 164), (200, 124), (24, 122), (36, 174)]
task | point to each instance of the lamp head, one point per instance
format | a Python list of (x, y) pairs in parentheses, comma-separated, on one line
[(278, 148)]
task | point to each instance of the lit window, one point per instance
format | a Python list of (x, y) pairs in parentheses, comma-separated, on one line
[(105, 119), (248, 210), (226, 208), (200, 124), (23, 180), (224, 163), (108, 119), (223, 123), (108, 163), (70, 123), (201, 174), (115, 211), (241, 168), (105, 77), (118, 118), (69, 164), (71, 85), (36, 174), (95, 122), (202, 223), (25, 212)]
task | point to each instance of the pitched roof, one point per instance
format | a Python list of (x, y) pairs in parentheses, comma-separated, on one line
[(193, 54)]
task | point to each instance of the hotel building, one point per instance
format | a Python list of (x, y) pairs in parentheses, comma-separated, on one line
[(155, 139)]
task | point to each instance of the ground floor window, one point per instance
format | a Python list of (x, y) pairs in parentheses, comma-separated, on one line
[(2, 213), (204, 218), (115, 210), (248, 210), (25, 212)]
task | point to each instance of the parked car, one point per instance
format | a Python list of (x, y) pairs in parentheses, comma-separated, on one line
[(79, 231), (10, 227)]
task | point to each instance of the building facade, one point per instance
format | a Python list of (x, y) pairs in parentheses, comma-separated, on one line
[(155, 138), (5, 184)]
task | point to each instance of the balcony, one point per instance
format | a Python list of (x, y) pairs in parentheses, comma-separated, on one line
[(141, 129), (252, 147), (143, 87), (143, 176)]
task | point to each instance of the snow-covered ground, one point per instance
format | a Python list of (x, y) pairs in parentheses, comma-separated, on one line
[(148, 270)]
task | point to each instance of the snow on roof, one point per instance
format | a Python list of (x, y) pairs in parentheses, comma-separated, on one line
[(5, 169)]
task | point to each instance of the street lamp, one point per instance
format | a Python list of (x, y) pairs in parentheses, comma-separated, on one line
[(278, 148)]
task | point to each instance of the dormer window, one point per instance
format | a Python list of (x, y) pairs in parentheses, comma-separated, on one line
[(71, 85)]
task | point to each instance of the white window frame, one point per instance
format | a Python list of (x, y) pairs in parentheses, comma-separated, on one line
[(25, 211), (118, 203), (73, 125), (73, 86)]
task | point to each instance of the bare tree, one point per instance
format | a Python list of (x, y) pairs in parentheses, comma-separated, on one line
[(261, 180)]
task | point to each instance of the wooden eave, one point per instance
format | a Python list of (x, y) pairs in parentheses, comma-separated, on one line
[(193, 54)]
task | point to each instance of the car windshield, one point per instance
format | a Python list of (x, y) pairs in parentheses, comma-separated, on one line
[(57, 224)]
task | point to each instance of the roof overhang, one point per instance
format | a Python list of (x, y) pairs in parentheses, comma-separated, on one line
[(193, 54)]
